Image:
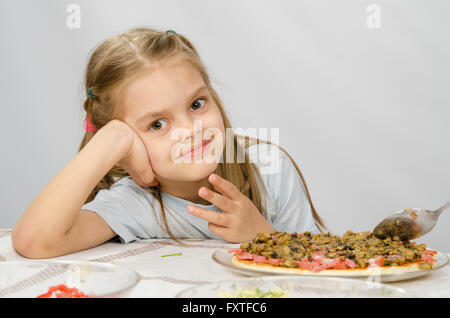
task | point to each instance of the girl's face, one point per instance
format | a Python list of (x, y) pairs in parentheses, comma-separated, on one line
[(171, 110)]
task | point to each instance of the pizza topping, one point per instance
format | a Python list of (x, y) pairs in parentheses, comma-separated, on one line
[(427, 258), (350, 263), (304, 263), (235, 250), (259, 259), (430, 252), (246, 256), (404, 228), (379, 261), (411, 213), (321, 251), (274, 261)]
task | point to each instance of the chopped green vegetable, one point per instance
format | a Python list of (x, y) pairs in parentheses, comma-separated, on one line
[(171, 255)]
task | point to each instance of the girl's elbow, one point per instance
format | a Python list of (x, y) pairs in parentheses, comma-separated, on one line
[(25, 245)]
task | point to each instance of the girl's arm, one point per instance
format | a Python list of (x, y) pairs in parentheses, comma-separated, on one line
[(53, 224)]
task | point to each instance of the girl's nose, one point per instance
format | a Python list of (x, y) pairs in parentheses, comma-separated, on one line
[(195, 127)]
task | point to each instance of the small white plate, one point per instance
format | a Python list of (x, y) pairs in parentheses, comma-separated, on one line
[(222, 257), (294, 287), (29, 279)]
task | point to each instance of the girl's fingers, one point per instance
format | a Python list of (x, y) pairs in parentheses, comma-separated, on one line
[(220, 201), (217, 229), (224, 186), (210, 216)]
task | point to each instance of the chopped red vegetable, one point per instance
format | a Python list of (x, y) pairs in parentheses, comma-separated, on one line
[(427, 258), (62, 291), (412, 213)]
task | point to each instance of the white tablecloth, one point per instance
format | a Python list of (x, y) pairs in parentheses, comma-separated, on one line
[(166, 276)]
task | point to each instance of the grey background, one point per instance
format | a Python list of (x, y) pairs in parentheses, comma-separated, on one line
[(364, 112)]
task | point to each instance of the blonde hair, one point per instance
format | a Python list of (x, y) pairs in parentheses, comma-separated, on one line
[(116, 60)]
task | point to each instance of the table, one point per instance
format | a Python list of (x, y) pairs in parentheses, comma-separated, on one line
[(166, 276)]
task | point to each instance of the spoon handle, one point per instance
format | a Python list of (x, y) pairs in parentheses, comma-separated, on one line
[(442, 208)]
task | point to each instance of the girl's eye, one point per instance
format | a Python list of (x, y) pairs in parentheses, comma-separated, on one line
[(156, 125), (196, 103)]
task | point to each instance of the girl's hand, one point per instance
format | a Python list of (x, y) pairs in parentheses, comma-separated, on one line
[(240, 220), (135, 160)]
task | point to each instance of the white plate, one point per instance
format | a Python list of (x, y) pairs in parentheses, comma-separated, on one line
[(29, 279), (222, 257), (294, 287)]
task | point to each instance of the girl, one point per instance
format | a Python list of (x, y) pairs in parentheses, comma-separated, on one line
[(143, 86)]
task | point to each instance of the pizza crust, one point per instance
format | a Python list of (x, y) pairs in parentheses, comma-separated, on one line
[(383, 270)]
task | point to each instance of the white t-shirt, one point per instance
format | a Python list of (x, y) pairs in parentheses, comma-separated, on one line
[(134, 213)]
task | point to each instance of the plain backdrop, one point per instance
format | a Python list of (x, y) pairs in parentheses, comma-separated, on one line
[(364, 110)]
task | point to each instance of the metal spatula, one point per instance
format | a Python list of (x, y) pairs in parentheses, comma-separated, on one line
[(409, 224)]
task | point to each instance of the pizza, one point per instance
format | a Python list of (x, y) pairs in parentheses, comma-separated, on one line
[(352, 254)]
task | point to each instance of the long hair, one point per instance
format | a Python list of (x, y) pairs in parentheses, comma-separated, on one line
[(116, 61)]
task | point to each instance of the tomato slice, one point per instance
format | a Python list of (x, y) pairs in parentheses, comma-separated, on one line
[(63, 291), (350, 263), (235, 250)]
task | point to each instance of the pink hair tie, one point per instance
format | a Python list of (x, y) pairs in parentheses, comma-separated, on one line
[(89, 126)]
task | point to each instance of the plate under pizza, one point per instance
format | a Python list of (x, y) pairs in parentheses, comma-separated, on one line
[(249, 261)]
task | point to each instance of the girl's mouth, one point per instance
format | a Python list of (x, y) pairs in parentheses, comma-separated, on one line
[(196, 150)]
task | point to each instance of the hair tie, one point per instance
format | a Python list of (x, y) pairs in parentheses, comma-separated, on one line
[(89, 126), (90, 94), (171, 31)]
